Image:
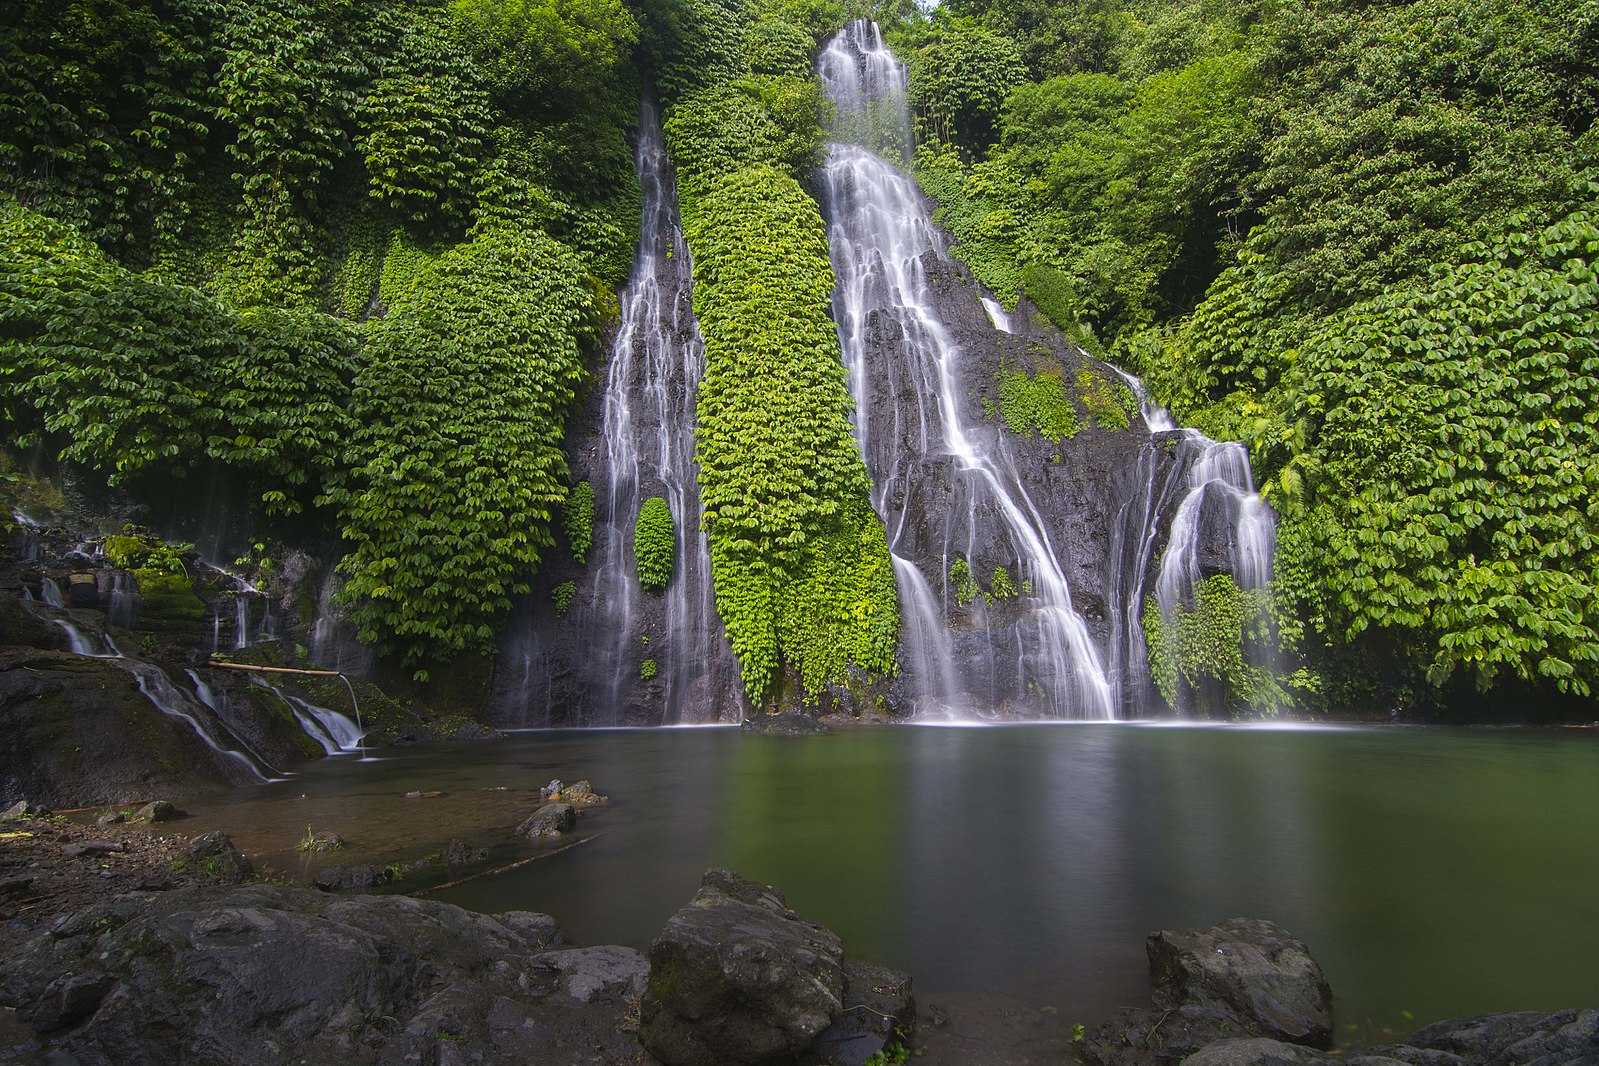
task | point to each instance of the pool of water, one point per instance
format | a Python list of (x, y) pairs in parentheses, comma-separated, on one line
[(1434, 873)]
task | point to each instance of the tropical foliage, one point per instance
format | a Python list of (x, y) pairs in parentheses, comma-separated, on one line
[(1356, 236)]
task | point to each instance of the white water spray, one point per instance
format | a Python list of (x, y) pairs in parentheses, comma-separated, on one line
[(913, 430)]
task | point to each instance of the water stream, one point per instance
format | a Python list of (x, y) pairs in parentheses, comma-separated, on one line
[(665, 649), (915, 430)]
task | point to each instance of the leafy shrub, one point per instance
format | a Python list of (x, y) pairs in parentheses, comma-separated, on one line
[(458, 466), (654, 544), (577, 519)]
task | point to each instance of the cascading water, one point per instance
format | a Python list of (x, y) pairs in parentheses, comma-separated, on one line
[(647, 450), (1219, 522), (1034, 656), (172, 701), (50, 592), (79, 643), (338, 733)]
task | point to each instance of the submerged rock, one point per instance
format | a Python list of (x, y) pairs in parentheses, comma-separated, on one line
[(551, 820), (157, 811), (353, 877), (738, 978), (214, 855)]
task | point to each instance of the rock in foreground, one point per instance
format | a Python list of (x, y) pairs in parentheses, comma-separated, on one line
[(1243, 978), (738, 978), (266, 974)]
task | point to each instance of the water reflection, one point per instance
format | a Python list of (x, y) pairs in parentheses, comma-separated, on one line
[(1440, 872)]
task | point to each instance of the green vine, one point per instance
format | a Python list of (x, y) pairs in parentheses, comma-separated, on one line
[(654, 544), (577, 519)]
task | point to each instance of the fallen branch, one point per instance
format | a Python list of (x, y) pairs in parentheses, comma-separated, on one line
[(273, 669), (504, 869)]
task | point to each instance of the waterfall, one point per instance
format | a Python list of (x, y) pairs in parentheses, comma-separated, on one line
[(222, 707), (79, 643), (173, 702), (620, 653), (338, 733), (50, 592), (1219, 519), (123, 610), (915, 427), (997, 314)]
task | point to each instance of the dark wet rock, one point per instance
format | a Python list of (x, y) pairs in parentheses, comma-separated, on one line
[(738, 979), (157, 811), (551, 820), (457, 852), (214, 855), (321, 841), (607, 972), (1147, 1037), (265, 974), (111, 818), (1511, 1039), (877, 1005), (785, 725), (1252, 968), (1255, 1051), (77, 731), (469, 730), (551, 790), (93, 849), (353, 877), (580, 794), (1242, 978), (16, 886), (22, 809)]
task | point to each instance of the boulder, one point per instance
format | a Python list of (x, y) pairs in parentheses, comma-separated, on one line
[(157, 811), (1160, 1036), (1249, 967), (457, 852), (20, 810), (738, 979), (1255, 1051), (550, 820), (580, 794), (1242, 978), (214, 855), (353, 877), (1525, 1038), (266, 974), (587, 974), (111, 818), (785, 725), (877, 1006)]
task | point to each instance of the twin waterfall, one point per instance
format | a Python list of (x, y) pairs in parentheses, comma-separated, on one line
[(880, 230), (960, 497)]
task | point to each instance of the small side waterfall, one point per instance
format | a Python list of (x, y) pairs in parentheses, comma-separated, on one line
[(621, 653), (174, 702), (1032, 654), (79, 643), (50, 592), (1202, 493), (337, 732)]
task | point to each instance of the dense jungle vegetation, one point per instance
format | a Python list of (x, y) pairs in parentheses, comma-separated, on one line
[(1357, 236), (362, 256)]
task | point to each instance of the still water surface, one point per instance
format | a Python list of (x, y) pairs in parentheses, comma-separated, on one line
[(1435, 872)]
